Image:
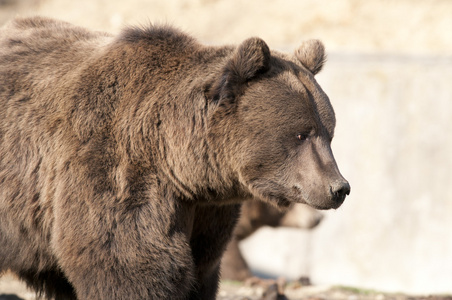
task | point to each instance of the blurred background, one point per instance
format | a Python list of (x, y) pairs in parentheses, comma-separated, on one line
[(389, 78)]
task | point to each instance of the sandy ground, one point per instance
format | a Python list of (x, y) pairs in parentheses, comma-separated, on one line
[(12, 289)]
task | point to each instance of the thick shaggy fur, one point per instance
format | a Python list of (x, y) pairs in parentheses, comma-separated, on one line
[(124, 160)]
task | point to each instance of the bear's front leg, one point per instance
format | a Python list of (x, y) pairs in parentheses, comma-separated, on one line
[(212, 230), (133, 253)]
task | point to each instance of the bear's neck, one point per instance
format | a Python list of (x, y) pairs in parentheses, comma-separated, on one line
[(163, 125)]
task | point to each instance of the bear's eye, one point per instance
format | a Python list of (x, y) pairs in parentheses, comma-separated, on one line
[(302, 136)]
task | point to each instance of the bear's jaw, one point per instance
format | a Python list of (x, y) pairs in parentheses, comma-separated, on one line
[(282, 196), (331, 199)]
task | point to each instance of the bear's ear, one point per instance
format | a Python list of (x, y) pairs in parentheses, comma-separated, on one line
[(311, 54), (251, 58)]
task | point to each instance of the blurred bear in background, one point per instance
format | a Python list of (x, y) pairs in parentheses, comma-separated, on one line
[(256, 214)]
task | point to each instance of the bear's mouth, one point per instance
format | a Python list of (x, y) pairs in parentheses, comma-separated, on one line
[(279, 199), (305, 198), (283, 197), (272, 192), (301, 195)]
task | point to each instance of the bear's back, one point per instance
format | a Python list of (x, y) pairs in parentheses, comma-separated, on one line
[(35, 53), (38, 35)]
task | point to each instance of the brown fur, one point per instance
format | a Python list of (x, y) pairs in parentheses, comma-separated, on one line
[(123, 160)]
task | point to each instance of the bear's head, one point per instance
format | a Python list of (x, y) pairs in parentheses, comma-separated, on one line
[(272, 124)]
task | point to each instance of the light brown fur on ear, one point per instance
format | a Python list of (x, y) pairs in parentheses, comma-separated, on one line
[(311, 54), (251, 57)]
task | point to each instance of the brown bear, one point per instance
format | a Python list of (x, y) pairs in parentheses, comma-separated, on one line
[(124, 159), (254, 215)]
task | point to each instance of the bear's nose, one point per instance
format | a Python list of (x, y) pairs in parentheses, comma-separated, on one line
[(339, 190)]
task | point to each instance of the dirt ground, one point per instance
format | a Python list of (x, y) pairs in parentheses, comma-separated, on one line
[(13, 289), (296, 291)]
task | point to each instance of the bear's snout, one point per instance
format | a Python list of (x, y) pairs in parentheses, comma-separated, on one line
[(339, 190)]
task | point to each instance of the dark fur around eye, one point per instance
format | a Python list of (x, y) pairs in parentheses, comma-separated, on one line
[(302, 136)]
